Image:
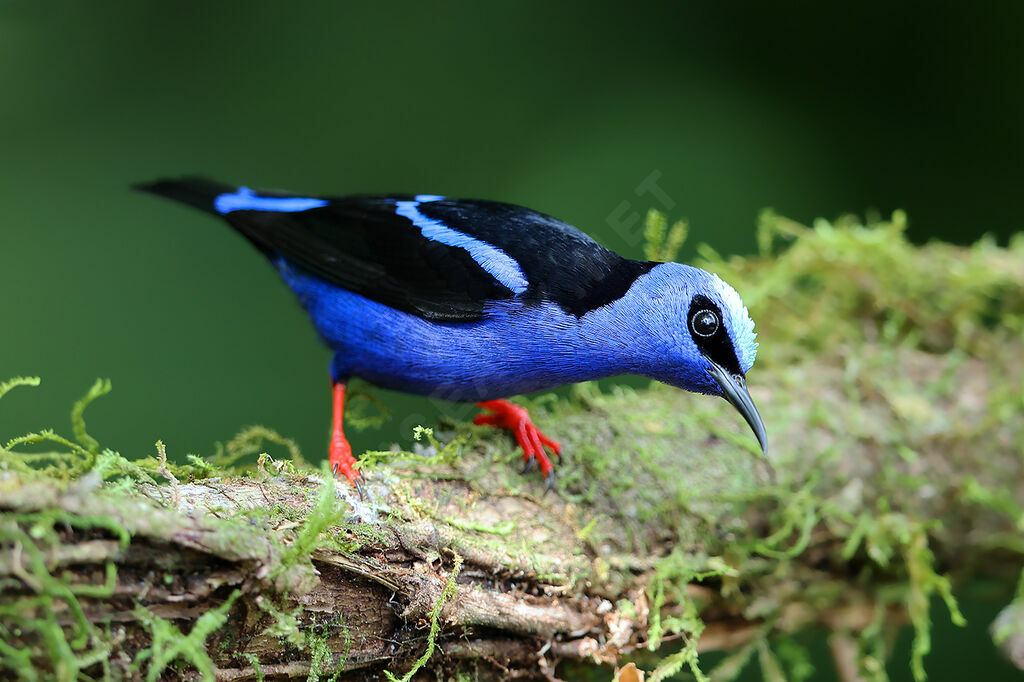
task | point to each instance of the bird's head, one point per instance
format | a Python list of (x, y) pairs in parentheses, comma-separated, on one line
[(707, 338)]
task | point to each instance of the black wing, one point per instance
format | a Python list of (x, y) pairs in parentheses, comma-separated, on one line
[(442, 259)]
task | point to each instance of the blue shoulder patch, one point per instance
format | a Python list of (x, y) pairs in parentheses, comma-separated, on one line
[(493, 260), (244, 199)]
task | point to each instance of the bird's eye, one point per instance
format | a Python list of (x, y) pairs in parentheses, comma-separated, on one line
[(704, 323)]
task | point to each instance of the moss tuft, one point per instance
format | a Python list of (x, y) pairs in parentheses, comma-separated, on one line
[(169, 644)]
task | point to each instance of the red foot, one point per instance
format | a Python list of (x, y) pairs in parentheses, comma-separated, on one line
[(341, 459), (516, 419)]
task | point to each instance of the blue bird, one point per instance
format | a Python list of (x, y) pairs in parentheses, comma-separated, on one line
[(475, 301)]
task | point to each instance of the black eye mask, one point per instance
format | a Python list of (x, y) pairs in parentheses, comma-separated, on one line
[(707, 328)]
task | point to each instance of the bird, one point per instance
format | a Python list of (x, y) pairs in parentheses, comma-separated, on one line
[(472, 300)]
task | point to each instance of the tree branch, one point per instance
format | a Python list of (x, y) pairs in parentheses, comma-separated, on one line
[(899, 469)]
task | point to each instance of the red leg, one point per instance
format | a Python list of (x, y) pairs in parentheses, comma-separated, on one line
[(516, 419), (341, 459)]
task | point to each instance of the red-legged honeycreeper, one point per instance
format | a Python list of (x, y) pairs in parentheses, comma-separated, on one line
[(475, 301)]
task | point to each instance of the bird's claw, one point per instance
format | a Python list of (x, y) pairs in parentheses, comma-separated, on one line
[(516, 419), (342, 462)]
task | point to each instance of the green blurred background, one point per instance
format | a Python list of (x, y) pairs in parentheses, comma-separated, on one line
[(593, 113)]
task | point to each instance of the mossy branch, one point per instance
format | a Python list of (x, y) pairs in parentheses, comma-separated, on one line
[(890, 378)]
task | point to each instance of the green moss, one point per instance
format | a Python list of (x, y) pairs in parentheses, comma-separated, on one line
[(321, 656), (836, 284), (6, 386), (254, 661), (90, 444), (34, 619), (861, 297), (661, 242), (31, 540), (64, 646), (672, 576), (284, 623), (647, 472), (435, 624), (170, 645), (325, 514), (249, 442)]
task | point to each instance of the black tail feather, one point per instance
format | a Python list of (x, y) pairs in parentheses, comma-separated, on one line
[(194, 191)]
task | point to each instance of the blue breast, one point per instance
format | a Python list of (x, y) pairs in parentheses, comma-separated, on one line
[(516, 349)]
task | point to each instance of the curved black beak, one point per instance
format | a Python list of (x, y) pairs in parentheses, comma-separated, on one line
[(734, 389)]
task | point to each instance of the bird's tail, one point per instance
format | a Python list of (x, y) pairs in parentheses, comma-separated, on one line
[(194, 191)]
